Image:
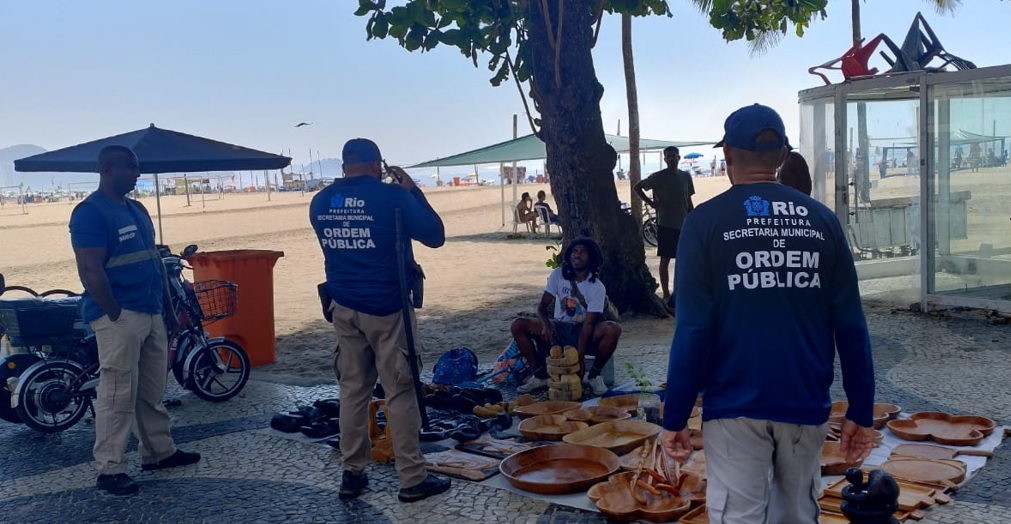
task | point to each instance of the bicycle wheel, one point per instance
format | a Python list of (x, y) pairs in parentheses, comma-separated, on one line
[(649, 231), (50, 401), (218, 371), (12, 366)]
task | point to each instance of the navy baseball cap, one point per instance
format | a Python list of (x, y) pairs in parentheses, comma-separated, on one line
[(744, 125), (360, 151)]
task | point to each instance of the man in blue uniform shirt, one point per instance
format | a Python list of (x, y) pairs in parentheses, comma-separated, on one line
[(354, 220), (125, 291), (766, 294)]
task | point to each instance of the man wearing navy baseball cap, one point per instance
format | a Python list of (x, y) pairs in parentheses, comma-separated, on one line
[(355, 223), (766, 294)]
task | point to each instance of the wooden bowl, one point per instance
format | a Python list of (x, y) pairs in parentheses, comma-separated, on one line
[(618, 436), (960, 430), (549, 427), (597, 414), (883, 412), (548, 407), (559, 469), (833, 461), (614, 499)]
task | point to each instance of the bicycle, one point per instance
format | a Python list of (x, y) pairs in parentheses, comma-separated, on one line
[(59, 372), (649, 224)]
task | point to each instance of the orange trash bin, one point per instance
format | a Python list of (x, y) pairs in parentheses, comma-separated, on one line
[(252, 270)]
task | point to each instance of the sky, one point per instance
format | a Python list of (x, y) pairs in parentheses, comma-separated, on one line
[(247, 71)]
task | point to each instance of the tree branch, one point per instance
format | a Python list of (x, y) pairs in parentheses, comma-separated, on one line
[(519, 87), (547, 23), (600, 18)]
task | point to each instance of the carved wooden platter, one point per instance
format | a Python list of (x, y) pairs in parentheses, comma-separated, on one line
[(548, 407), (833, 461), (614, 499), (959, 430), (619, 436), (597, 414), (883, 412), (549, 427), (946, 473)]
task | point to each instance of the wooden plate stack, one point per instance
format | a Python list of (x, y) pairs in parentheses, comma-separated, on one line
[(563, 367)]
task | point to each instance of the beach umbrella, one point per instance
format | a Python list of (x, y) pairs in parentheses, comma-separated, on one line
[(693, 155), (159, 151)]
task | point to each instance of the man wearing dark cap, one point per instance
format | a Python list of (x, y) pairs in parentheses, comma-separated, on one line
[(769, 292), (355, 222)]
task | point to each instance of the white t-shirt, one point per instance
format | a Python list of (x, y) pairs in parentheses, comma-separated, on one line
[(568, 307)]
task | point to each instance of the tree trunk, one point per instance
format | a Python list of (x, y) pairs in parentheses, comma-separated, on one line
[(632, 95), (579, 159)]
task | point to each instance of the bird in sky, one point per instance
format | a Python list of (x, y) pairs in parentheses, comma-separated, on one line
[(300, 124)]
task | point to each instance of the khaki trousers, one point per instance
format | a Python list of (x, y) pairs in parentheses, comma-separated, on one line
[(367, 347), (133, 359), (762, 472)]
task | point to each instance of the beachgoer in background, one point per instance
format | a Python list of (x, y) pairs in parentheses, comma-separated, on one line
[(795, 173), (957, 162), (355, 222), (760, 339), (672, 191), (578, 296), (975, 156), (542, 203), (125, 293), (525, 211)]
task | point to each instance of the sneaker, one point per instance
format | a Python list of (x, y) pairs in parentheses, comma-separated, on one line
[(118, 484), (352, 485), (598, 386), (532, 384), (179, 458), (432, 485)]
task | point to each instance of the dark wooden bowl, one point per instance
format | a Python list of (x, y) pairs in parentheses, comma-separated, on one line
[(559, 469)]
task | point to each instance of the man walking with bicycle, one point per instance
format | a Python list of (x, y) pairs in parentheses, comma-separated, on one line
[(672, 191), (125, 293)]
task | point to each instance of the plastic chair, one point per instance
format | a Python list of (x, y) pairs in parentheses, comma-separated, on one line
[(920, 47), (542, 215), (517, 222), (853, 63)]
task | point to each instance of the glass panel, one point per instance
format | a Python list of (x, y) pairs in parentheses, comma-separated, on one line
[(971, 189), (817, 127), (883, 203)]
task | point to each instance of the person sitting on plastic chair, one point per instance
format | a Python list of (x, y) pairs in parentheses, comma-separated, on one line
[(545, 214), (525, 213)]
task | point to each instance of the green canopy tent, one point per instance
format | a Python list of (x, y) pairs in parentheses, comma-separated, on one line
[(530, 147)]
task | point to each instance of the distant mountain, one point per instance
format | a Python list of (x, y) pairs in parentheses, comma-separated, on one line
[(10, 179)]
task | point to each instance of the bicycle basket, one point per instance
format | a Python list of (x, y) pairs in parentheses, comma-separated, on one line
[(39, 321), (215, 298)]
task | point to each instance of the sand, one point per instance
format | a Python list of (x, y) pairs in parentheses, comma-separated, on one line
[(477, 283)]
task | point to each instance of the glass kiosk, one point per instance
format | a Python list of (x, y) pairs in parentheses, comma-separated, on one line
[(916, 167)]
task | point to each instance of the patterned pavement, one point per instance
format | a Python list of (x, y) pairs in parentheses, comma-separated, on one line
[(957, 362)]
